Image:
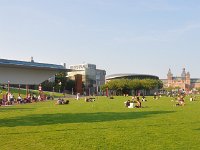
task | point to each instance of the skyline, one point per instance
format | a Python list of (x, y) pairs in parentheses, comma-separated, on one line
[(146, 37)]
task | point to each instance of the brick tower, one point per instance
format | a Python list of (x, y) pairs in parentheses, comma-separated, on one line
[(183, 75), (169, 77), (188, 82)]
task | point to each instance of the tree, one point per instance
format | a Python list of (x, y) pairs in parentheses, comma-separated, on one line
[(61, 83), (126, 86), (169, 89)]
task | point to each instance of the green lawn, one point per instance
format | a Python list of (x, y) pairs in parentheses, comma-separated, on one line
[(104, 124)]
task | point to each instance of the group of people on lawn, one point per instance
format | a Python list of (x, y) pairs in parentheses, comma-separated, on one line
[(135, 100), (61, 101), (9, 99), (180, 100)]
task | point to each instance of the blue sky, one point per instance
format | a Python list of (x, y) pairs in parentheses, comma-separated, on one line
[(120, 36)]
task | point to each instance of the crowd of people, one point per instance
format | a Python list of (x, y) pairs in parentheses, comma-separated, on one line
[(180, 99), (135, 102), (10, 99)]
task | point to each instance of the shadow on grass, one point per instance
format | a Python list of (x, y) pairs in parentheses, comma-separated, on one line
[(198, 129), (62, 118)]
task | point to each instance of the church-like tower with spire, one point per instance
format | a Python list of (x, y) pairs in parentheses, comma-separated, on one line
[(184, 81)]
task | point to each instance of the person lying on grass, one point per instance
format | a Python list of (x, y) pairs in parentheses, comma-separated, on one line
[(61, 101), (90, 99)]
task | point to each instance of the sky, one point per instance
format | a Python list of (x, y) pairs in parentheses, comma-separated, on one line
[(119, 36)]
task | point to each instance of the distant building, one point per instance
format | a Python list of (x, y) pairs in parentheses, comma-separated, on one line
[(92, 78), (132, 76), (184, 81), (27, 72)]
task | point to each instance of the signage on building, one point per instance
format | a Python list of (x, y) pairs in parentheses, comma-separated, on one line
[(78, 67), (83, 66)]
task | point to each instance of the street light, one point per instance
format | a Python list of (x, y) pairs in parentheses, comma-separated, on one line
[(72, 91), (19, 90), (97, 87), (60, 83), (8, 96), (8, 86), (53, 93)]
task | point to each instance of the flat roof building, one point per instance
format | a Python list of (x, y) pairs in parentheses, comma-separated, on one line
[(29, 73)]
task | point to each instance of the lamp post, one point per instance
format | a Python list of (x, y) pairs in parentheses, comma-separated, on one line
[(8, 87), (97, 87), (27, 91), (8, 96), (53, 92), (89, 91), (19, 90), (60, 83)]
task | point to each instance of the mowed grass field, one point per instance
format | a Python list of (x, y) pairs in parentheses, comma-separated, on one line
[(101, 125)]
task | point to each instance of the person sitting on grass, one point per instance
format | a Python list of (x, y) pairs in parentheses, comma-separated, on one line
[(19, 99), (127, 103), (34, 98), (191, 98), (131, 105), (138, 103), (181, 101), (144, 98)]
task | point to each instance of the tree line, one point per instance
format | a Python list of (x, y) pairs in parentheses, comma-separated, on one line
[(131, 86), (61, 84)]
